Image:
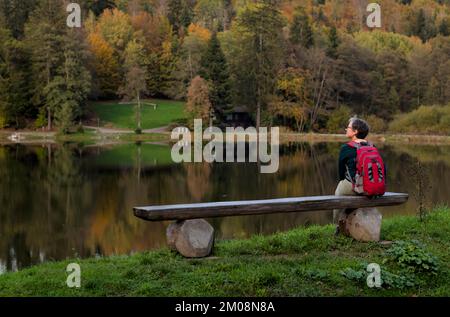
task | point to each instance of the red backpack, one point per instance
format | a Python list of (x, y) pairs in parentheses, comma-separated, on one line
[(370, 174)]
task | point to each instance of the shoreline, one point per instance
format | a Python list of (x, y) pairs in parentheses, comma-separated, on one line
[(300, 262), (99, 137)]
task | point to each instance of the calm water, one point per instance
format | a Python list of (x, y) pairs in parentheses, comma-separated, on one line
[(68, 201)]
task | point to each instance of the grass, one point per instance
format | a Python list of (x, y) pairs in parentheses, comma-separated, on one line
[(88, 136), (113, 114), (301, 262), (423, 120)]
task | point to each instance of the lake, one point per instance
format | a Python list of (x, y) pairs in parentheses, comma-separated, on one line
[(66, 201)]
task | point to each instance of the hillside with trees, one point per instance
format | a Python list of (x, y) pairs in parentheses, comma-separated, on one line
[(303, 64)]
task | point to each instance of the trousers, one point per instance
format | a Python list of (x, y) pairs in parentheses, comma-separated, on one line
[(344, 188)]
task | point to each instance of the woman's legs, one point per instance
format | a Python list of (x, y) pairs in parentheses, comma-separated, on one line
[(344, 188)]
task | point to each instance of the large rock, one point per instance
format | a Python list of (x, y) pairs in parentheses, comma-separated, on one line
[(364, 224), (192, 238), (172, 233)]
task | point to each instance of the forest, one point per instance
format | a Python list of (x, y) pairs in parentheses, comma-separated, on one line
[(306, 65)]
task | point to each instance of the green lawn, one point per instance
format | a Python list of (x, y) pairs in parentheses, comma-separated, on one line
[(301, 262), (123, 115)]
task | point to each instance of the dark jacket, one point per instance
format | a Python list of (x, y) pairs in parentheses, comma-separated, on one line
[(347, 163)]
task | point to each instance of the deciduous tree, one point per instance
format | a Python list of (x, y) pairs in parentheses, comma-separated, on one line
[(198, 104)]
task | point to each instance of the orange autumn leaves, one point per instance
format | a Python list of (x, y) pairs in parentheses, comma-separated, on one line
[(105, 64), (110, 36)]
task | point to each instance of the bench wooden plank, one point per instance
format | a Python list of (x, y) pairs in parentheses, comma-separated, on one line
[(265, 206)]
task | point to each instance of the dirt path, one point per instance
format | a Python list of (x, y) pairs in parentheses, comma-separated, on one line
[(108, 130), (116, 130), (157, 130)]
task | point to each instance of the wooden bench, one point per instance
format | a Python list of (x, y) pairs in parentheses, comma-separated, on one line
[(190, 227)]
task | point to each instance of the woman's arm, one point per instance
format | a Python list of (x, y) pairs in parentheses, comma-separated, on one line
[(343, 157)]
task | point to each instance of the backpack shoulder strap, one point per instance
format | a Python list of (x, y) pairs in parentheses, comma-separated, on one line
[(358, 145)]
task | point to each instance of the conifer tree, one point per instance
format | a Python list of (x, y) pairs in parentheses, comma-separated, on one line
[(215, 70), (44, 35), (333, 43), (301, 32), (260, 24), (14, 80), (180, 14)]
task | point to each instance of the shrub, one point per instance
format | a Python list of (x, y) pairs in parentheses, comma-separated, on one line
[(378, 41), (389, 280), (64, 117), (80, 128), (377, 124), (412, 256), (338, 119), (3, 123), (425, 119), (411, 261)]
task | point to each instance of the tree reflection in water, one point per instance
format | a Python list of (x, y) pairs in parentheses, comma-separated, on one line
[(69, 201)]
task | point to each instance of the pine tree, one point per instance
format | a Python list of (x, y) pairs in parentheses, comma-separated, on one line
[(180, 14), (5, 38), (14, 80), (333, 43), (167, 75), (301, 31), (393, 102), (44, 35), (422, 26), (444, 27), (59, 100), (260, 53), (98, 6), (76, 76), (67, 92), (58, 59), (215, 70), (16, 13)]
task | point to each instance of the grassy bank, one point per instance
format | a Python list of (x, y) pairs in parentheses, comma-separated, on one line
[(301, 262), (388, 138), (87, 137), (99, 138)]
